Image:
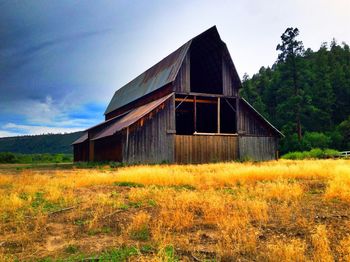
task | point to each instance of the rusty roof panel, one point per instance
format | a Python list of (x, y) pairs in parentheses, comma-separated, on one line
[(81, 139), (162, 73), (159, 75), (130, 118)]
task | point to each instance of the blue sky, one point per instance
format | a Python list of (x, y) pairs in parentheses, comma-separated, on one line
[(61, 61)]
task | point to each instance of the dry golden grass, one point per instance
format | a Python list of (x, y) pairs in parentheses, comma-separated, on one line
[(292, 251), (320, 242), (271, 211)]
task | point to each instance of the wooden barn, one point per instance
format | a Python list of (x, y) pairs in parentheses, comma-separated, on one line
[(184, 109)]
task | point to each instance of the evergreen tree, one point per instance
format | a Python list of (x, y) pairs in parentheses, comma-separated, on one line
[(305, 89), (292, 92)]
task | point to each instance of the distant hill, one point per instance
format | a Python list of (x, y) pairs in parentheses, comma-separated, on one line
[(38, 144)]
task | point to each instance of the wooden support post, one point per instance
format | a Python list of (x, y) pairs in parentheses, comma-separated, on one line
[(195, 113), (91, 150), (237, 116), (127, 143), (219, 115), (238, 127)]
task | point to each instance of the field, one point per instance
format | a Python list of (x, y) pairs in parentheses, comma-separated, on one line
[(273, 211)]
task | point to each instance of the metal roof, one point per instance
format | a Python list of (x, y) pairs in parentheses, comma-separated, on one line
[(159, 75), (130, 118), (81, 139)]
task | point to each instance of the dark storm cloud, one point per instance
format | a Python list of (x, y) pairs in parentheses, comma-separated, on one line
[(58, 61), (62, 60), (22, 57)]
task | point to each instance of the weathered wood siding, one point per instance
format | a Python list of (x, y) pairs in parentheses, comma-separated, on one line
[(81, 151), (151, 139), (108, 149), (206, 148), (228, 88), (182, 81), (251, 124), (257, 148)]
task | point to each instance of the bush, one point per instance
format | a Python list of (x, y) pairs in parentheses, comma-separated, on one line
[(7, 157), (315, 153), (294, 155), (12, 158), (331, 153), (309, 141), (315, 140)]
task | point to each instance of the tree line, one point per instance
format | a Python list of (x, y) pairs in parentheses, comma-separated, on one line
[(305, 93), (40, 144)]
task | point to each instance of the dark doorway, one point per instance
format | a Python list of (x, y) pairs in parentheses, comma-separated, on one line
[(184, 117), (207, 115), (206, 67), (227, 116)]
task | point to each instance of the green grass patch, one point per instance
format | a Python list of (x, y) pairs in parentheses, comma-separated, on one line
[(71, 249), (103, 230), (135, 204), (128, 184), (40, 203), (80, 222), (177, 187), (141, 234), (124, 207), (152, 202), (183, 187), (170, 255), (120, 254), (147, 249)]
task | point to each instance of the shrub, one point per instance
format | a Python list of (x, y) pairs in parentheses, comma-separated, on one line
[(7, 157), (315, 140), (294, 155), (316, 153), (11, 158), (331, 153)]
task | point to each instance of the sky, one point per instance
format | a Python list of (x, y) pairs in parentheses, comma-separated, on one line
[(61, 61)]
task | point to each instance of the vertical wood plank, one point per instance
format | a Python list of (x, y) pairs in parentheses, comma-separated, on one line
[(203, 149), (195, 114), (219, 115), (238, 116)]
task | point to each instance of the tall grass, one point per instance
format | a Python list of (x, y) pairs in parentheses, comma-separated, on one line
[(239, 211)]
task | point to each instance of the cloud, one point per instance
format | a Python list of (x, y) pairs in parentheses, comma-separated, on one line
[(19, 58), (48, 116), (8, 134), (61, 62), (54, 112), (12, 129)]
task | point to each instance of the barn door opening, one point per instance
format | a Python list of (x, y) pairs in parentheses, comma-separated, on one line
[(228, 123), (206, 67), (205, 115), (184, 111)]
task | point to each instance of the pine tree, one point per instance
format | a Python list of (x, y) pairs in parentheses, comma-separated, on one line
[(304, 89), (291, 50)]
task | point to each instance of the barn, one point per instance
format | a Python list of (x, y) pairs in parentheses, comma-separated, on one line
[(184, 109)]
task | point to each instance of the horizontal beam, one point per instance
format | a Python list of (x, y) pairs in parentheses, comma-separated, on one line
[(203, 94), (214, 134), (190, 100)]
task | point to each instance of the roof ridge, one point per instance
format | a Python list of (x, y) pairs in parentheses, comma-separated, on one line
[(160, 74)]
